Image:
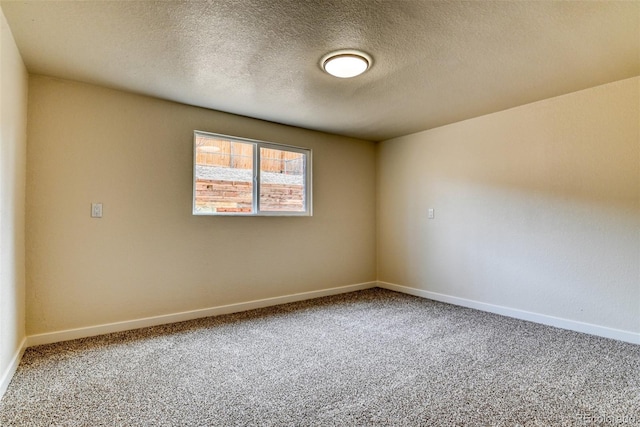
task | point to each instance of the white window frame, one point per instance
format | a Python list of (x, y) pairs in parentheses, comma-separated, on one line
[(257, 144)]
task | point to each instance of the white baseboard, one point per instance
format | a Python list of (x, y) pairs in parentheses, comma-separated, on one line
[(572, 325), (90, 331), (7, 375)]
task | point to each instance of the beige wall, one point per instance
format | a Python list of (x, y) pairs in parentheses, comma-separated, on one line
[(148, 255), (13, 126), (537, 208)]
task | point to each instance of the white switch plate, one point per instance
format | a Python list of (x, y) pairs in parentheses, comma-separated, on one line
[(432, 214), (96, 210)]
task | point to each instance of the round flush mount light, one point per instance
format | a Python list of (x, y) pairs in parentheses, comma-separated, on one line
[(346, 63)]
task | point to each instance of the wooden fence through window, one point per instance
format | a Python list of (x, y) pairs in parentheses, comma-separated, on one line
[(239, 155)]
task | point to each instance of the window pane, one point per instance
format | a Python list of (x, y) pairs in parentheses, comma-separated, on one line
[(282, 180), (224, 176)]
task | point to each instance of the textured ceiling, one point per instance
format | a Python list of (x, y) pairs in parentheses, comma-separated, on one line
[(434, 62)]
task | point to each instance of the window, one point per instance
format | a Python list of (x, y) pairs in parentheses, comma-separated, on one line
[(237, 176)]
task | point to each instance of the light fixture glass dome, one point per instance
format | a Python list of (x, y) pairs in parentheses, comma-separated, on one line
[(346, 63)]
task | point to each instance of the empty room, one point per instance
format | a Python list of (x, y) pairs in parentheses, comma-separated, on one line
[(319, 213)]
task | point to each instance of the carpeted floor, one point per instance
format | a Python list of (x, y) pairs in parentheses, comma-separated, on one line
[(372, 357)]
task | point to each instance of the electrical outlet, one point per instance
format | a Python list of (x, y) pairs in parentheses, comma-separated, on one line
[(96, 210), (432, 213)]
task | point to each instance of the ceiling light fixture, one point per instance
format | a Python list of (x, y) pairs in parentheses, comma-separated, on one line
[(346, 63)]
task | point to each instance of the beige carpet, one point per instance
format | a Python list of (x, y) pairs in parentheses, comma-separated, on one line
[(373, 357)]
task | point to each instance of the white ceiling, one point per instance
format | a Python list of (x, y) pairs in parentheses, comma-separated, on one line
[(434, 62)]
